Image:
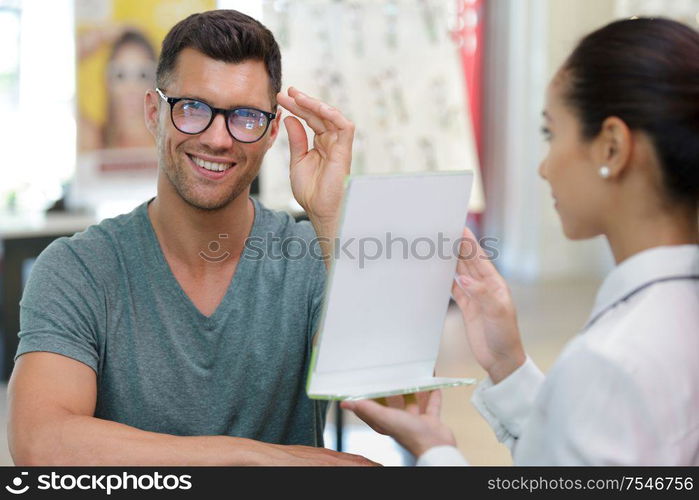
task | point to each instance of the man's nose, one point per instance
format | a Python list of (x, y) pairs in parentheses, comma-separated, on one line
[(217, 136)]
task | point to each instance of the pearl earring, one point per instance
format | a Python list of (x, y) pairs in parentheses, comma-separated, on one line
[(604, 172)]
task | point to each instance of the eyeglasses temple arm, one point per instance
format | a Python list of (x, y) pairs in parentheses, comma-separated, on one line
[(160, 93)]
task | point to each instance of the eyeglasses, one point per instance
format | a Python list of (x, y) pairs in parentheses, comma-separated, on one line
[(192, 117)]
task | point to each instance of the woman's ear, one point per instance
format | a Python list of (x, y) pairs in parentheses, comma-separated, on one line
[(613, 146)]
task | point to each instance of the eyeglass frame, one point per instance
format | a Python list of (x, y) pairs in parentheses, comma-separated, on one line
[(214, 113)]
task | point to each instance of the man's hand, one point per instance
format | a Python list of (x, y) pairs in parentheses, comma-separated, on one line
[(415, 424), (317, 175), (309, 456)]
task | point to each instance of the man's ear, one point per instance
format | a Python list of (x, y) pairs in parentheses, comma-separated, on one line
[(274, 128), (614, 145), (150, 111)]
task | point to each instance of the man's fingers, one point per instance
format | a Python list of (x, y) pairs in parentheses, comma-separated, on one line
[(325, 111), (298, 141), (324, 456), (312, 105), (344, 458), (314, 121), (332, 118)]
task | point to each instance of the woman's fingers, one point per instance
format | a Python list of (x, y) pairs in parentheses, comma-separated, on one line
[(412, 404), (459, 294), (471, 253), (422, 400), (469, 305), (395, 402), (468, 252), (434, 403), (378, 417), (481, 264)]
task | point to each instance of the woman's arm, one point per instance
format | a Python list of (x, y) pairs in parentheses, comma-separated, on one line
[(505, 399)]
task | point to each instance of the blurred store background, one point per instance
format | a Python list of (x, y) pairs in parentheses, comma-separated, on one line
[(430, 85)]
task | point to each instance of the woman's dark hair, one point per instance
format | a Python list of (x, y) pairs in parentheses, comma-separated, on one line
[(645, 72), (223, 35), (132, 36)]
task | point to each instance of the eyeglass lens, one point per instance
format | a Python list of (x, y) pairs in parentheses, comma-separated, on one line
[(192, 117)]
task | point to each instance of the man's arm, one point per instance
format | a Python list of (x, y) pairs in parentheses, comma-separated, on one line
[(51, 406)]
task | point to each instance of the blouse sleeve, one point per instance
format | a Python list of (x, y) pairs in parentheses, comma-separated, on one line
[(591, 411), (507, 406)]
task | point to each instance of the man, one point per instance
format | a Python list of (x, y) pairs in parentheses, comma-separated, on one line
[(159, 336)]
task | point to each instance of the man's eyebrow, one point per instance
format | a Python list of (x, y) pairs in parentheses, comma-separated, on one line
[(205, 101), (194, 97)]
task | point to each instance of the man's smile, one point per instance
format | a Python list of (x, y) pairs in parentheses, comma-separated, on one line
[(210, 166)]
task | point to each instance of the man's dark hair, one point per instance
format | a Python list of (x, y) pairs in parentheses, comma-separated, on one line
[(646, 72), (223, 35)]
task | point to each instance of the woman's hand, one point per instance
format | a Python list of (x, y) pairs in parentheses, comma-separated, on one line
[(414, 423), (488, 311)]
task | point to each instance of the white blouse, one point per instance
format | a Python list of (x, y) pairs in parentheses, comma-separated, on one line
[(624, 392)]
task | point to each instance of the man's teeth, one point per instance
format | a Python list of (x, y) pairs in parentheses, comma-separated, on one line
[(210, 165)]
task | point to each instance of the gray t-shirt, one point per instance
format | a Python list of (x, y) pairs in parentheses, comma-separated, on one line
[(107, 297)]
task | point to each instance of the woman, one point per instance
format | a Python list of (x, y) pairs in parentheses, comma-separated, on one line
[(130, 73), (622, 119)]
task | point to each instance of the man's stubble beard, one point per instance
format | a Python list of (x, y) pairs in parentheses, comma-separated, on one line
[(177, 175)]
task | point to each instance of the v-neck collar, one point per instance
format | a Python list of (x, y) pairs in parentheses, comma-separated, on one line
[(653, 265), (242, 269)]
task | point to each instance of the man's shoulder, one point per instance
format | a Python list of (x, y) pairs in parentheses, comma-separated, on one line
[(281, 223), (97, 247), (288, 243)]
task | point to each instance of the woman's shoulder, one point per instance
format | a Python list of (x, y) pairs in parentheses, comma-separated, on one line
[(655, 331), (660, 314)]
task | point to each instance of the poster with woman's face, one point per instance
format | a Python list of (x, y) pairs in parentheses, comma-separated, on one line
[(117, 50)]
